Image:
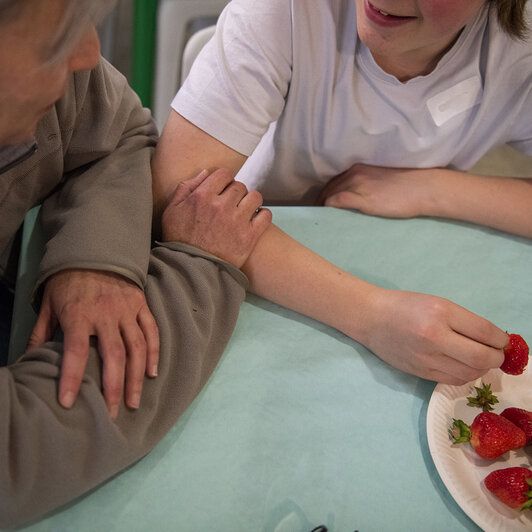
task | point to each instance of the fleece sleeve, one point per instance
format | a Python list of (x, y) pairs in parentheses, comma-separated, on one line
[(99, 217), (50, 455)]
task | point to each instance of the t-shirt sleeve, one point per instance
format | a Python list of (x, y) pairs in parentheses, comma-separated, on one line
[(239, 81)]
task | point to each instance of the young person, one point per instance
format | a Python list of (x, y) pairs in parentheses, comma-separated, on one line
[(377, 106), (74, 136)]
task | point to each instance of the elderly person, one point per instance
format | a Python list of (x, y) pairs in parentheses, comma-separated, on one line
[(376, 105), (75, 137)]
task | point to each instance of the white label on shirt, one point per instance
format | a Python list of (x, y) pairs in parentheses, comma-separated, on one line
[(456, 100)]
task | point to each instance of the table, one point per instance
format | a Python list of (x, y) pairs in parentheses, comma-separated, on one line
[(300, 425)]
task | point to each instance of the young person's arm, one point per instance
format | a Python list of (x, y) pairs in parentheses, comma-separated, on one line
[(420, 334), (500, 202)]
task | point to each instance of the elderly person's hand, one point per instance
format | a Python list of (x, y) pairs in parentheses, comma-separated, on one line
[(87, 303), (217, 214)]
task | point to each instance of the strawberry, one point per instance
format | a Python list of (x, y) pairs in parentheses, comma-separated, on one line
[(484, 398), (522, 418), (515, 355), (490, 435), (512, 486)]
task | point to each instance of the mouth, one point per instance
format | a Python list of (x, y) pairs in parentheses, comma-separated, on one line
[(384, 18)]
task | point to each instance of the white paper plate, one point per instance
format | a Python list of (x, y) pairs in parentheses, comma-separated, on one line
[(460, 468)]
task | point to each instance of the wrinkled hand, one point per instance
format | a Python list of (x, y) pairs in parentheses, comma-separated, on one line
[(88, 303), (432, 337), (215, 213), (379, 191)]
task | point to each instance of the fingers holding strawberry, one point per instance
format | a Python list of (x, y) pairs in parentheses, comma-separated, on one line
[(515, 355)]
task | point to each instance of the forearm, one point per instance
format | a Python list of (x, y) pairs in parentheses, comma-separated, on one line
[(100, 216), (499, 202), (50, 455), (286, 272)]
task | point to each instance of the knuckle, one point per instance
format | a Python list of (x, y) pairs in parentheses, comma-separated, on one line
[(267, 216), (137, 296), (77, 348), (113, 390), (73, 308), (428, 331), (116, 351), (137, 346), (238, 186), (472, 374), (255, 196), (224, 173), (181, 187), (455, 381), (439, 308), (476, 361), (198, 197)]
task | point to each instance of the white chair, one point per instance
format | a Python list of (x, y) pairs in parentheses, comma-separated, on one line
[(193, 48), (175, 19)]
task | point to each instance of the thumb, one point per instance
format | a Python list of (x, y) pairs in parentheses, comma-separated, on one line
[(44, 328), (185, 188), (342, 199)]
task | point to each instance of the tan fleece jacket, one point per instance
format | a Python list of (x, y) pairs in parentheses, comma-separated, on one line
[(91, 172)]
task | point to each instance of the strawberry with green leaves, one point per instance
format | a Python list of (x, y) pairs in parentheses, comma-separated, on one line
[(490, 435), (515, 355), (512, 485), (522, 418)]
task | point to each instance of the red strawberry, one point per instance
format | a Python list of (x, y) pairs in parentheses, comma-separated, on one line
[(522, 418), (490, 435), (515, 355), (512, 486)]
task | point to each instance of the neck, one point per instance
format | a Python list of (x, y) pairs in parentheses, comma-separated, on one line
[(413, 63)]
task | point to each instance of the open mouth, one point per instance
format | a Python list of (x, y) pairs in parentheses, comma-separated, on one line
[(381, 16)]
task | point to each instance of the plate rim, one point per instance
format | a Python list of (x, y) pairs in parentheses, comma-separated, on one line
[(444, 397)]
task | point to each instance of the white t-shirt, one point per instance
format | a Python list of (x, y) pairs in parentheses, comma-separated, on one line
[(288, 83)]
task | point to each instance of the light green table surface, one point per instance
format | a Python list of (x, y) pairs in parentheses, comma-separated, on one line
[(301, 426)]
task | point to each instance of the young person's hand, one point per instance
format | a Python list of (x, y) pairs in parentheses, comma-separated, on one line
[(380, 191), (503, 203), (85, 303), (432, 337), (217, 214)]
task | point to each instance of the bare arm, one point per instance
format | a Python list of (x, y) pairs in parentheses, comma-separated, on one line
[(500, 202), (427, 336)]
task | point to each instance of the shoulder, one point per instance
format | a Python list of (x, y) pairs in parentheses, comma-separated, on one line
[(97, 94), (103, 82), (506, 47)]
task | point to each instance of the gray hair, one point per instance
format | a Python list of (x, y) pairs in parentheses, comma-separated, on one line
[(78, 16)]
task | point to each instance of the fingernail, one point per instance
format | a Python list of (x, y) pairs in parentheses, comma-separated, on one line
[(113, 411), (67, 399), (153, 372), (134, 401)]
